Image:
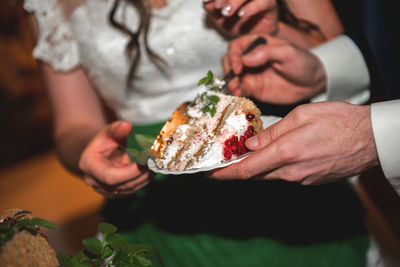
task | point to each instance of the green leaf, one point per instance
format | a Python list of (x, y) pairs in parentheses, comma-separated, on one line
[(143, 157), (43, 223), (132, 152), (203, 80), (93, 245), (23, 223), (206, 109), (65, 260), (118, 257), (117, 241), (5, 225), (81, 256), (144, 141), (210, 75), (107, 252), (144, 261), (139, 248), (213, 98), (203, 97), (97, 261), (106, 228), (212, 111)]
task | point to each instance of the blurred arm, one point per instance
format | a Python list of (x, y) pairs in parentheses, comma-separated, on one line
[(77, 113)]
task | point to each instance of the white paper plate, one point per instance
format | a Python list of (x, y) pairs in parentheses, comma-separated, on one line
[(267, 121)]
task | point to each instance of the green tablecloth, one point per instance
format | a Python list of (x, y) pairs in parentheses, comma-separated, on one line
[(195, 221)]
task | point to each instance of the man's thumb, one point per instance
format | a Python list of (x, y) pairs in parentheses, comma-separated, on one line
[(263, 138)]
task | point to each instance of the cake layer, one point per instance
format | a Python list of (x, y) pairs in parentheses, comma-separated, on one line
[(202, 134)]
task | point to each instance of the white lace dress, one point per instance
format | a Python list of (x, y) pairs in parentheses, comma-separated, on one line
[(179, 33)]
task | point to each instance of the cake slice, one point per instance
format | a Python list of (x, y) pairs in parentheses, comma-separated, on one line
[(206, 132)]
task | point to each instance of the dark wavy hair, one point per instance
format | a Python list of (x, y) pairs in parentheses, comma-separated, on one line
[(141, 34)]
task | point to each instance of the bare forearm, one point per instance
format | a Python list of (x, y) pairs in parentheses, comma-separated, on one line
[(71, 143)]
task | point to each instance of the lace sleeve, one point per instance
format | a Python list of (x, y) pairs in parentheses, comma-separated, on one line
[(56, 44)]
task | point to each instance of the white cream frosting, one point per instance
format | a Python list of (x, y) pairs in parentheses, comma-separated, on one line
[(236, 124)]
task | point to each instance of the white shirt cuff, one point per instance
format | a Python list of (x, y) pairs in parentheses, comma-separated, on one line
[(385, 118), (346, 71)]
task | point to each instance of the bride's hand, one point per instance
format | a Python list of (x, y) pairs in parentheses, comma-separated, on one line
[(107, 169), (242, 16)]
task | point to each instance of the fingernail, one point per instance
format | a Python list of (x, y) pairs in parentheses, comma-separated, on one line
[(226, 10), (252, 142), (206, 1), (242, 12)]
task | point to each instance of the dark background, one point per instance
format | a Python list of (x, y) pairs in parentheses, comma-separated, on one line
[(24, 112)]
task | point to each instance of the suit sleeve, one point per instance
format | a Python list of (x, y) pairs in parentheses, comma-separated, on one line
[(386, 129), (346, 71)]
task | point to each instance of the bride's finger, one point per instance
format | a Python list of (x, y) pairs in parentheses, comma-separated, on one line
[(134, 182), (126, 193), (230, 7), (254, 7)]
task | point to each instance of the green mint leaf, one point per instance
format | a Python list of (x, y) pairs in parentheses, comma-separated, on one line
[(206, 109), (97, 262), (5, 225), (81, 256), (210, 75), (212, 111), (132, 152), (203, 97), (143, 157), (107, 252), (139, 248), (144, 261), (106, 228), (93, 245), (213, 98), (144, 141), (65, 260), (117, 241), (43, 223), (202, 81), (119, 257)]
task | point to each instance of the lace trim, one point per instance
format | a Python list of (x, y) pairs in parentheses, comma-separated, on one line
[(56, 44)]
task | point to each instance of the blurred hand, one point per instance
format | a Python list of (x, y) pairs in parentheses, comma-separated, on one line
[(314, 144), (107, 169), (243, 16), (278, 72)]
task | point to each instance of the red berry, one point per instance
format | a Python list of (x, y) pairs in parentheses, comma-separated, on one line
[(250, 116), (227, 153)]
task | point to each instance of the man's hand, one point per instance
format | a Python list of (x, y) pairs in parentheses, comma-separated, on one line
[(314, 144), (278, 72), (107, 169)]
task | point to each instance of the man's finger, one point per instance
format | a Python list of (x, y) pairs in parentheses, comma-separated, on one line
[(258, 163)]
